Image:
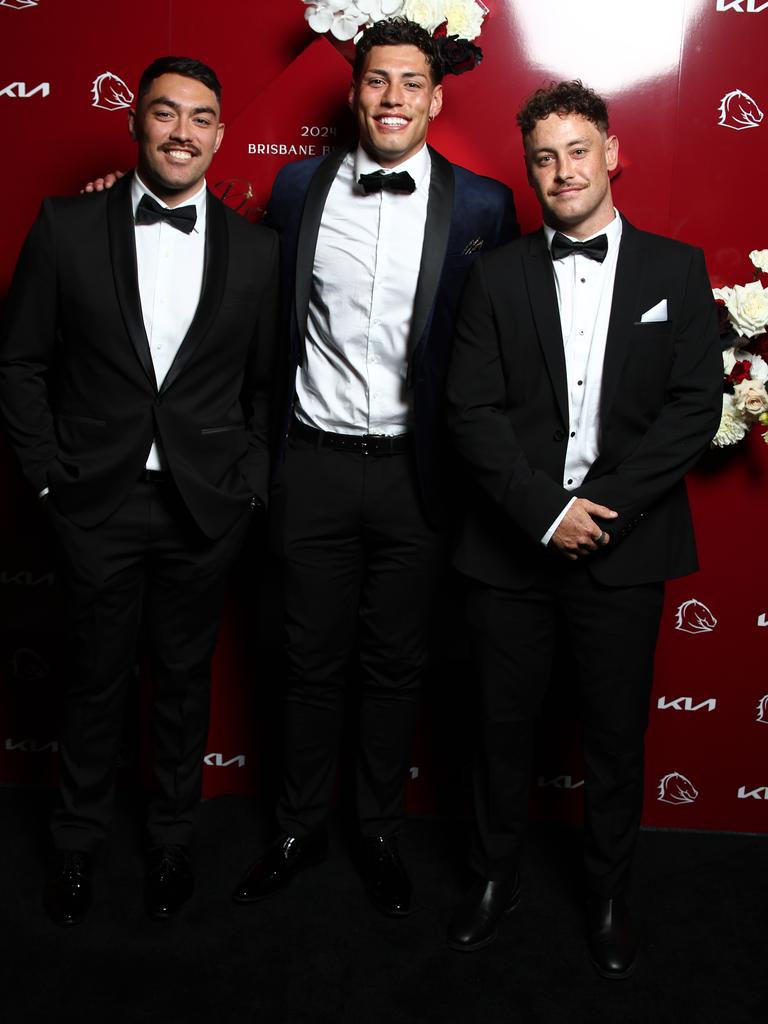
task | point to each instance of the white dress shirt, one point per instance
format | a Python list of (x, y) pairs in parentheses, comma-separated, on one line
[(170, 268), (353, 379), (584, 294)]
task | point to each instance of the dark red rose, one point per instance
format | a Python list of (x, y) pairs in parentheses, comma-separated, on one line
[(741, 371), (457, 55), (759, 345)]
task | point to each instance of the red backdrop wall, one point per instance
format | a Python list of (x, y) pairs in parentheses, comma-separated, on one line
[(666, 67)]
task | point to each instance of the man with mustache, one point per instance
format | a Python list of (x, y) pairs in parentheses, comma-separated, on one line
[(586, 381), (135, 361)]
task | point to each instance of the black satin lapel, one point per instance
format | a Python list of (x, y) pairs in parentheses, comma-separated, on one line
[(122, 247), (537, 264), (215, 271), (626, 289), (306, 243), (437, 228)]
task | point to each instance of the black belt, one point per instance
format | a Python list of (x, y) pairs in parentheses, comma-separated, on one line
[(154, 476), (363, 444)]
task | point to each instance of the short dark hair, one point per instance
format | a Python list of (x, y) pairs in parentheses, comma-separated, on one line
[(186, 66), (398, 32), (563, 98)]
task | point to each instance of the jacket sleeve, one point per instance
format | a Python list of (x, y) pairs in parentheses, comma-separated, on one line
[(258, 383), (509, 229), (688, 419), (27, 344)]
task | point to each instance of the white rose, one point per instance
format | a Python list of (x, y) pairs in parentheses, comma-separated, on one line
[(722, 293), (732, 426), (750, 398), (465, 18), (748, 309), (427, 13), (759, 259)]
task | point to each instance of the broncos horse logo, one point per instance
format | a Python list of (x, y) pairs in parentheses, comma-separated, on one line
[(676, 789), (694, 617), (762, 710), (110, 92), (739, 111)]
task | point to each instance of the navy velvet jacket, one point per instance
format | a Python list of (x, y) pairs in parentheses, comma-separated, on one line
[(466, 213)]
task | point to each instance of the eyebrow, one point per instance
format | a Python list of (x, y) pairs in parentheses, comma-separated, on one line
[(163, 101), (388, 74), (571, 142)]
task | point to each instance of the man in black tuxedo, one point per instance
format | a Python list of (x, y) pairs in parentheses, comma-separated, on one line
[(586, 381), (134, 367), (375, 246)]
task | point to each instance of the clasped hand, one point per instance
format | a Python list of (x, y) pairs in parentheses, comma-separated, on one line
[(577, 534)]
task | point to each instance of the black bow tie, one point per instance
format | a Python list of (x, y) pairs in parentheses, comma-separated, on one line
[(181, 217), (379, 181), (594, 249)]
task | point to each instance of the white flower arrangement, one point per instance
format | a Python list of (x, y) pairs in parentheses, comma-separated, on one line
[(745, 369), (347, 19)]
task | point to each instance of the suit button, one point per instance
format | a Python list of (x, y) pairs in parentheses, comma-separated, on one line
[(558, 435)]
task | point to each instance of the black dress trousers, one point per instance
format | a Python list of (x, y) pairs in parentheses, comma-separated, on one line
[(360, 569), (611, 634), (147, 563)]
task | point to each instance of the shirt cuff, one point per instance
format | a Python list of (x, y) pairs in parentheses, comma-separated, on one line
[(548, 535)]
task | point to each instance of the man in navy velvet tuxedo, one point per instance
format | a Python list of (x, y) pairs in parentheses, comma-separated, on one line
[(375, 243), (586, 381)]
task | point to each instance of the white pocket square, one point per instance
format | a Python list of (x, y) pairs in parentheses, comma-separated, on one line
[(656, 314)]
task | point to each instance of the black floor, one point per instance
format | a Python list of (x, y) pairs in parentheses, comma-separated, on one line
[(320, 953)]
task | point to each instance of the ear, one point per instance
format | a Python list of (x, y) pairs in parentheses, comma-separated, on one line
[(132, 123), (219, 136), (436, 103), (352, 95), (612, 152)]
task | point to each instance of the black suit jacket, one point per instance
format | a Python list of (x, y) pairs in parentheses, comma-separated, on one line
[(465, 213), (508, 410), (77, 385)]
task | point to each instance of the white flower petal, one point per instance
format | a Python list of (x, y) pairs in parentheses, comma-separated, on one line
[(759, 369), (344, 28), (320, 18)]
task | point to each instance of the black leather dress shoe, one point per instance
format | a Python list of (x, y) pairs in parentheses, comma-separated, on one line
[(611, 937), (476, 920), (384, 876), (169, 881), (67, 895), (277, 867)]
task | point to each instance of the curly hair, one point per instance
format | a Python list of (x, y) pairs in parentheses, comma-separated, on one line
[(563, 98), (398, 32)]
